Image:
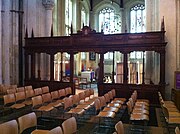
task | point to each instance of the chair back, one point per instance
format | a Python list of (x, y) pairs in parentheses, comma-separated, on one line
[(29, 93), (62, 93), (9, 98), (177, 131), (20, 96), (10, 127), (46, 98), (57, 130), (37, 91), (27, 121), (55, 95), (119, 128), (69, 126), (28, 88), (45, 89), (20, 89), (37, 100)]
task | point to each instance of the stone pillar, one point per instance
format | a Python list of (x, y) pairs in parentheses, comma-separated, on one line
[(152, 15), (1, 11), (6, 32), (49, 5), (152, 24)]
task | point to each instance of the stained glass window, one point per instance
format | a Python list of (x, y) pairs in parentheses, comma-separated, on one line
[(138, 18), (68, 16), (109, 22)]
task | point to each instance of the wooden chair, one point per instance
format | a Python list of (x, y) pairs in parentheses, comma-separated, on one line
[(57, 130), (177, 131), (27, 121), (45, 89), (29, 94), (136, 116), (68, 107), (28, 88), (11, 91), (10, 101), (115, 98), (119, 128), (20, 89), (68, 91), (69, 126), (47, 100), (55, 99), (37, 91), (62, 93), (37, 105), (20, 98), (10, 127)]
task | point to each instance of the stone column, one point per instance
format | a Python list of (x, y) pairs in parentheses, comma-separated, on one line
[(152, 24), (1, 42), (6, 41), (49, 5)]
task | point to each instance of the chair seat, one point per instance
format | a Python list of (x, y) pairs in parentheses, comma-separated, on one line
[(174, 120), (106, 114), (45, 108), (76, 111), (141, 107), (110, 109), (28, 102), (141, 111), (174, 114), (88, 103), (142, 103), (83, 106), (38, 131), (139, 117), (120, 99), (56, 104), (18, 106), (142, 100), (172, 109), (117, 101), (117, 105)]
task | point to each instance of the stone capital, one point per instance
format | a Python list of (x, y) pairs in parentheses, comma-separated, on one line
[(48, 4)]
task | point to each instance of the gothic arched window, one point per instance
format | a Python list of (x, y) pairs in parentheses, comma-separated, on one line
[(109, 22), (138, 18)]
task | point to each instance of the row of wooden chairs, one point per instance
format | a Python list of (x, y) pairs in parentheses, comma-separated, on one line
[(37, 91), (21, 99), (108, 106), (138, 109), (170, 111), (4, 88), (79, 103), (48, 101), (28, 122)]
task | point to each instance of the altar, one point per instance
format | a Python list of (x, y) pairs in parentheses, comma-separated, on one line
[(89, 75)]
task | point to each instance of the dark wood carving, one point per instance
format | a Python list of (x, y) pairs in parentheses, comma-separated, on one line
[(88, 40)]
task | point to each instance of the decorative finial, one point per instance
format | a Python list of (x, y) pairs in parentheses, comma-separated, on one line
[(125, 28), (52, 30), (162, 25), (71, 28), (32, 33), (26, 33)]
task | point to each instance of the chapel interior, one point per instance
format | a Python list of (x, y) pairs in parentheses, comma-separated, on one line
[(89, 66)]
